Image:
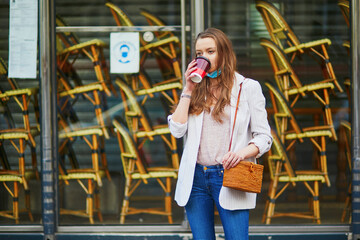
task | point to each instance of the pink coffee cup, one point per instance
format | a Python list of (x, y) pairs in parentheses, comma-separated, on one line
[(203, 65)]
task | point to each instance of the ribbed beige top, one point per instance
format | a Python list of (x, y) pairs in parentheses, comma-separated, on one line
[(215, 139)]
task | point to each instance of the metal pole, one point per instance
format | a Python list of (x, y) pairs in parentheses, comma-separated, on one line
[(355, 56), (48, 117), (198, 18), (183, 37)]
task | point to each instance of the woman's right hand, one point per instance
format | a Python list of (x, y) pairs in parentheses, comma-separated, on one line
[(190, 85)]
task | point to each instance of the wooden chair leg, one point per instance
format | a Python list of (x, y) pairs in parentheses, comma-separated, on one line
[(347, 205), (98, 71), (106, 71), (34, 163), (330, 68), (174, 154), (27, 205), (168, 208), (16, 202), (99, 113), (265, 211), (22, 162), (103, 157), (89, 201), (271, 202), (323, 160), (97, 203), (125, 205), (316, 203)]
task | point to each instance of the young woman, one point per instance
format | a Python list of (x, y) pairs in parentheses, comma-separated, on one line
[(205, 114)]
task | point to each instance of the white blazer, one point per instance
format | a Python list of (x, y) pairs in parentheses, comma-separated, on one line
[(251, 127)]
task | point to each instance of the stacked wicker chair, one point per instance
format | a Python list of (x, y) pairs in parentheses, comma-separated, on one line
[(91, 175), (290, 131), (288, 134), (19, 136), (71, 130), (292, 88), (165, 49), (345, 149), (69, 50), (283, 176), (137, 130), (137, 172), (291, 92), (285, 38), (345, 10), (132, 137)]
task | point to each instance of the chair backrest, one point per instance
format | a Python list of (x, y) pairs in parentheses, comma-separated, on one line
[(121, 18), (279, 30), (130, 157), (155, 21), (68, 39), (7, 84), (4, 108), (4, 79), (283, 115), (278, 156), (7, 116), (285, 77), (344, 7), (133, 110)]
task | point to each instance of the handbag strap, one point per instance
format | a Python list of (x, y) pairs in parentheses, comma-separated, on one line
[(236, 110)]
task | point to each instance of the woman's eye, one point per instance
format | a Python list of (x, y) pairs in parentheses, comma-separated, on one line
[(198, 54)]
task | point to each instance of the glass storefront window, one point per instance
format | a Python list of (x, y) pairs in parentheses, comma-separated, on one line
[(126, 142), (108, 122), (310, 21), (20, 192)]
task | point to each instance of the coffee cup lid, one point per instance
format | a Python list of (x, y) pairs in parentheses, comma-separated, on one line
[(205, 59)]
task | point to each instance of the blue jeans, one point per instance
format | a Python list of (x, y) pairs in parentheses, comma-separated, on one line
[(200, 207)]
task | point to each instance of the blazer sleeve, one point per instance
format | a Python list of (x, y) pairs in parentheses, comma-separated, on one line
[(260, 129), (178, 130)]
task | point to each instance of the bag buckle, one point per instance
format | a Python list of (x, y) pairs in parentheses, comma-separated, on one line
[(251, 167)]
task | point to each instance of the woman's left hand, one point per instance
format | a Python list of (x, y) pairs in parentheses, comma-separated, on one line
[(231, 159)]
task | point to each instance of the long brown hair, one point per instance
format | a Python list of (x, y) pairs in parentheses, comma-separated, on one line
[(226, 62)]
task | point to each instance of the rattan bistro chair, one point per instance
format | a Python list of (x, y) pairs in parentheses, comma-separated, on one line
[(140, 126), (69, 49), (165, 64), (92, 92), (13, 177), (282, 176), (345, 136), (136, 173), (164, 50), (19, 135), (344, 7), (154, 20), (281, 34), (92, 175), (290, 85), (290, 132)]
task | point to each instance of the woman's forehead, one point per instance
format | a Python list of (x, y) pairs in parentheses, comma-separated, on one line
[(204, 43)]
